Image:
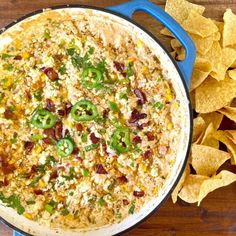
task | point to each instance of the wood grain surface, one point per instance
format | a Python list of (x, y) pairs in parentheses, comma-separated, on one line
[(217, 214)]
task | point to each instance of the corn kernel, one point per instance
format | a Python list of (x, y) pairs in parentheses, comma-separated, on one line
[(131, 59), (42, 184), (18, 44), (7, 83), (145, 70), (140, 43), (169, 97), (175, 105), (144, 168), (103, 159), (170, 126), (26, 55), (155, 191), (70, 125), (111, 160), (172, 162), (28, 216), (38, 149)]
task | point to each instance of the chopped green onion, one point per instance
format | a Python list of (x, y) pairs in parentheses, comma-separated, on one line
[(113, 106), (101, 202), (70, 51), (36, 137), (91, 147), (84, 138), (85, 172), (14, 139), (123, 96), (158, 105), (62, 70), (129, 69), (91, 50), (38, 94), (47, 34), (131, 209)]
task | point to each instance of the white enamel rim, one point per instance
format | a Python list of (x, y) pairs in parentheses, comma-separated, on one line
[(171, 70)]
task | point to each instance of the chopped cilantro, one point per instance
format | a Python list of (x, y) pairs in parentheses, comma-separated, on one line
[(129, 69), (5, 56), (51, 206), (70, 51), (113, 106), (84, 138), (30, 202), (13, 201), (71, 174), (62, 70), (123, 96), (35, 180), (38, 94), (85, 172), (8, 67), (47, 34), (91, 50), (14, 139), (65, 212), (131, 209)]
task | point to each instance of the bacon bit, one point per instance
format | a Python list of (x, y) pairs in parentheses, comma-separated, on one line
[(5, 166), (141, 126), (122, 179), (99, 169), (79, 127), (50, 133), (5, 182), (125, 202), (61, 112), (75, 151), (67, 133), (58, 130), (68, 107), (50, 73), (104, 148), (124, 74), (50, 105), (94, 139), (28, 94), (18, 57), (47, 140), (138, 193), (38, 191), (105, 113), (28, 147), (137, 139), (33, 169), (119, 66), (141, 96), (147, 154), (53, 175), (79, 159), (9, 114), (136, 115), (163, 150), (150, 136)]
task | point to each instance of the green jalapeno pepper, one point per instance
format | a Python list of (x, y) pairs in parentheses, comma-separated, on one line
[(43, 119), (120, 140), (84, 110), (65, 147), (92, 78)]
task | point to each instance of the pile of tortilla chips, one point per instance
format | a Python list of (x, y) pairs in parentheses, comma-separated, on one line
[(213, 95)]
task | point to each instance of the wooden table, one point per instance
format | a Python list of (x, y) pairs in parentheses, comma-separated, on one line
[(217, 214)]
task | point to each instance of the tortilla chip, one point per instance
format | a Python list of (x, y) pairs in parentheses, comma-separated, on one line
[(212, 95), (192, 98), (231, 134), (198, 128), (202, 69), (199, 25), (232, 74), (191, 189), (203, 45), (207, 138), (166, 32), (221, 136), (181, 54), (224, 178), (179, 9), (207, 160), (230, 112), (213, 117), (175, 44), (174, 194), (229, 33)]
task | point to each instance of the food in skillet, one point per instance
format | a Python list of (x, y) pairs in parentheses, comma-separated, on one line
[(90, 124)]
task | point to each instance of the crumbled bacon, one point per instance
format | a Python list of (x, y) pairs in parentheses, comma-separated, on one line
[(9, 114), (38, 191), (18, 57), (137, 139), (125, 202), (122, 179), (147, 154), (67, 107), (79, 127), (50, 106), (61, 112), (28, 147), (119, 66), (105, 113), (50, 73), (53, 175), (75, 151), (141, 96), (99, 169), (94, 139), (150, 136), (138, 193), (50, 133), (136, 116), (58, 130), (47, 140)]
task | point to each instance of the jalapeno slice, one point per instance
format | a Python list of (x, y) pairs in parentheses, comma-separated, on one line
[(43, 119), (92, 78), (84, 110), (65, 147), (120, 140)]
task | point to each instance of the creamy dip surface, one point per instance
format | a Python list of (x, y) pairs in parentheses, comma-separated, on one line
[(89, 124)]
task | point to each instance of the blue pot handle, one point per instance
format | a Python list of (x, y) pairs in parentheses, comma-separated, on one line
[(128, 9)]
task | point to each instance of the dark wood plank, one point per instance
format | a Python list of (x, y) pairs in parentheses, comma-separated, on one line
[(217, 214)]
